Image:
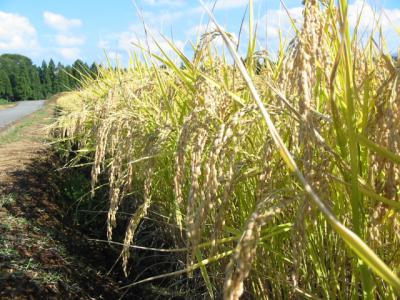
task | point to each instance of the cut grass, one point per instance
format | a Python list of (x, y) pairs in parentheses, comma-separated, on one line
[(6, 200), (4, 104), (16, 132), (18, 264), (7, 105)]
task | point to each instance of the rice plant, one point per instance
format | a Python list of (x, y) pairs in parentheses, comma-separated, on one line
[(278, 176)]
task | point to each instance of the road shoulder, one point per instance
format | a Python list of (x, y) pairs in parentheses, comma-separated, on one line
[(42, 256), (7, 106)]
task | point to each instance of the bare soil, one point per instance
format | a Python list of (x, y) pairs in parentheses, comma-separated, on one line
[(42, 254)]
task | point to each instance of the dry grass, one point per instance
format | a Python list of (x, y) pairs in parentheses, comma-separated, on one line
[(7, 105)]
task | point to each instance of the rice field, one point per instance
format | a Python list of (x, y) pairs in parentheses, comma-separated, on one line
[(271, 177)]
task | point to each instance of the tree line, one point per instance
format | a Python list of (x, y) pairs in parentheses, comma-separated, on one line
[(20, 79)]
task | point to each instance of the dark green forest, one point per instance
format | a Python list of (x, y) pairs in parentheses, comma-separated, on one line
[(20, 79)]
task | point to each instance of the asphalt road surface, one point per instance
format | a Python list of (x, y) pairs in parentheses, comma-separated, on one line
[(23, 108)]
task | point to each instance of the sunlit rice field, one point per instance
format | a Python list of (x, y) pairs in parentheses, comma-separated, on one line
[(270, 177)]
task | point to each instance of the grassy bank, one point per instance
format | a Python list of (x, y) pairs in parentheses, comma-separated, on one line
[(4, 104), (43, 253), (17, 132), (271, 178)]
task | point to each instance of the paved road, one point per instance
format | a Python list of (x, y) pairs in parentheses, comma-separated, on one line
[(22, 109)]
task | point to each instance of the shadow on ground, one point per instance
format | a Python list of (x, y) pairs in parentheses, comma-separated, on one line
[(42, 254)]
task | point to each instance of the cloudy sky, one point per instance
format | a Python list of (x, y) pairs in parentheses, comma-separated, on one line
[(67, 30)]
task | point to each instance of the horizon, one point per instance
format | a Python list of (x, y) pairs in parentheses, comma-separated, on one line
[(58, 31)]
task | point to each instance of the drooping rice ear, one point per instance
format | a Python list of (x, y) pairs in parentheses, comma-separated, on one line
[(136, 218), (352, 240)]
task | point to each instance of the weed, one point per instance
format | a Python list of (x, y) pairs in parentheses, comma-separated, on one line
[(6, 200), (17, 132)]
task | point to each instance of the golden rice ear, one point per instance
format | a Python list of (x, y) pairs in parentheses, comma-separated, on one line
[(365, 253), (135, 220), (214, 160), (196, 194), (241, 262), (183, 141)]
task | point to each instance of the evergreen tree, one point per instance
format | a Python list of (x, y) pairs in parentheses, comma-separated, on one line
[(71, 80), (80, 71), (51, 70), (35, 84), (21, 89), (5, 86), (45, 80), (20, 79), (94, 70), (61, 79)]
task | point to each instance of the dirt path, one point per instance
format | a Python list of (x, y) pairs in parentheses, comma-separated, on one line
[(42, 255)]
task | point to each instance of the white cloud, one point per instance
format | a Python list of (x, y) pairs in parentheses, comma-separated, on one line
[(67, 43), (103, 43), (165, 2), (199, 30), (388, 18), (69, 40), (115, 56), (275, 21), (135, 38), (278, 20), (221, 4), (69, 53), (59, 22), (224, 4), (227, 4), (17, 33), (371, 19), (270, 25)]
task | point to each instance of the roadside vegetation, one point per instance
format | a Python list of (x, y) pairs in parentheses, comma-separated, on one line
[(267, 178), (17, 132), (4, 104), (43, 254)]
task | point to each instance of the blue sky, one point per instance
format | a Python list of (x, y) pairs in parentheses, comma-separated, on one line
[(67, 30)]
